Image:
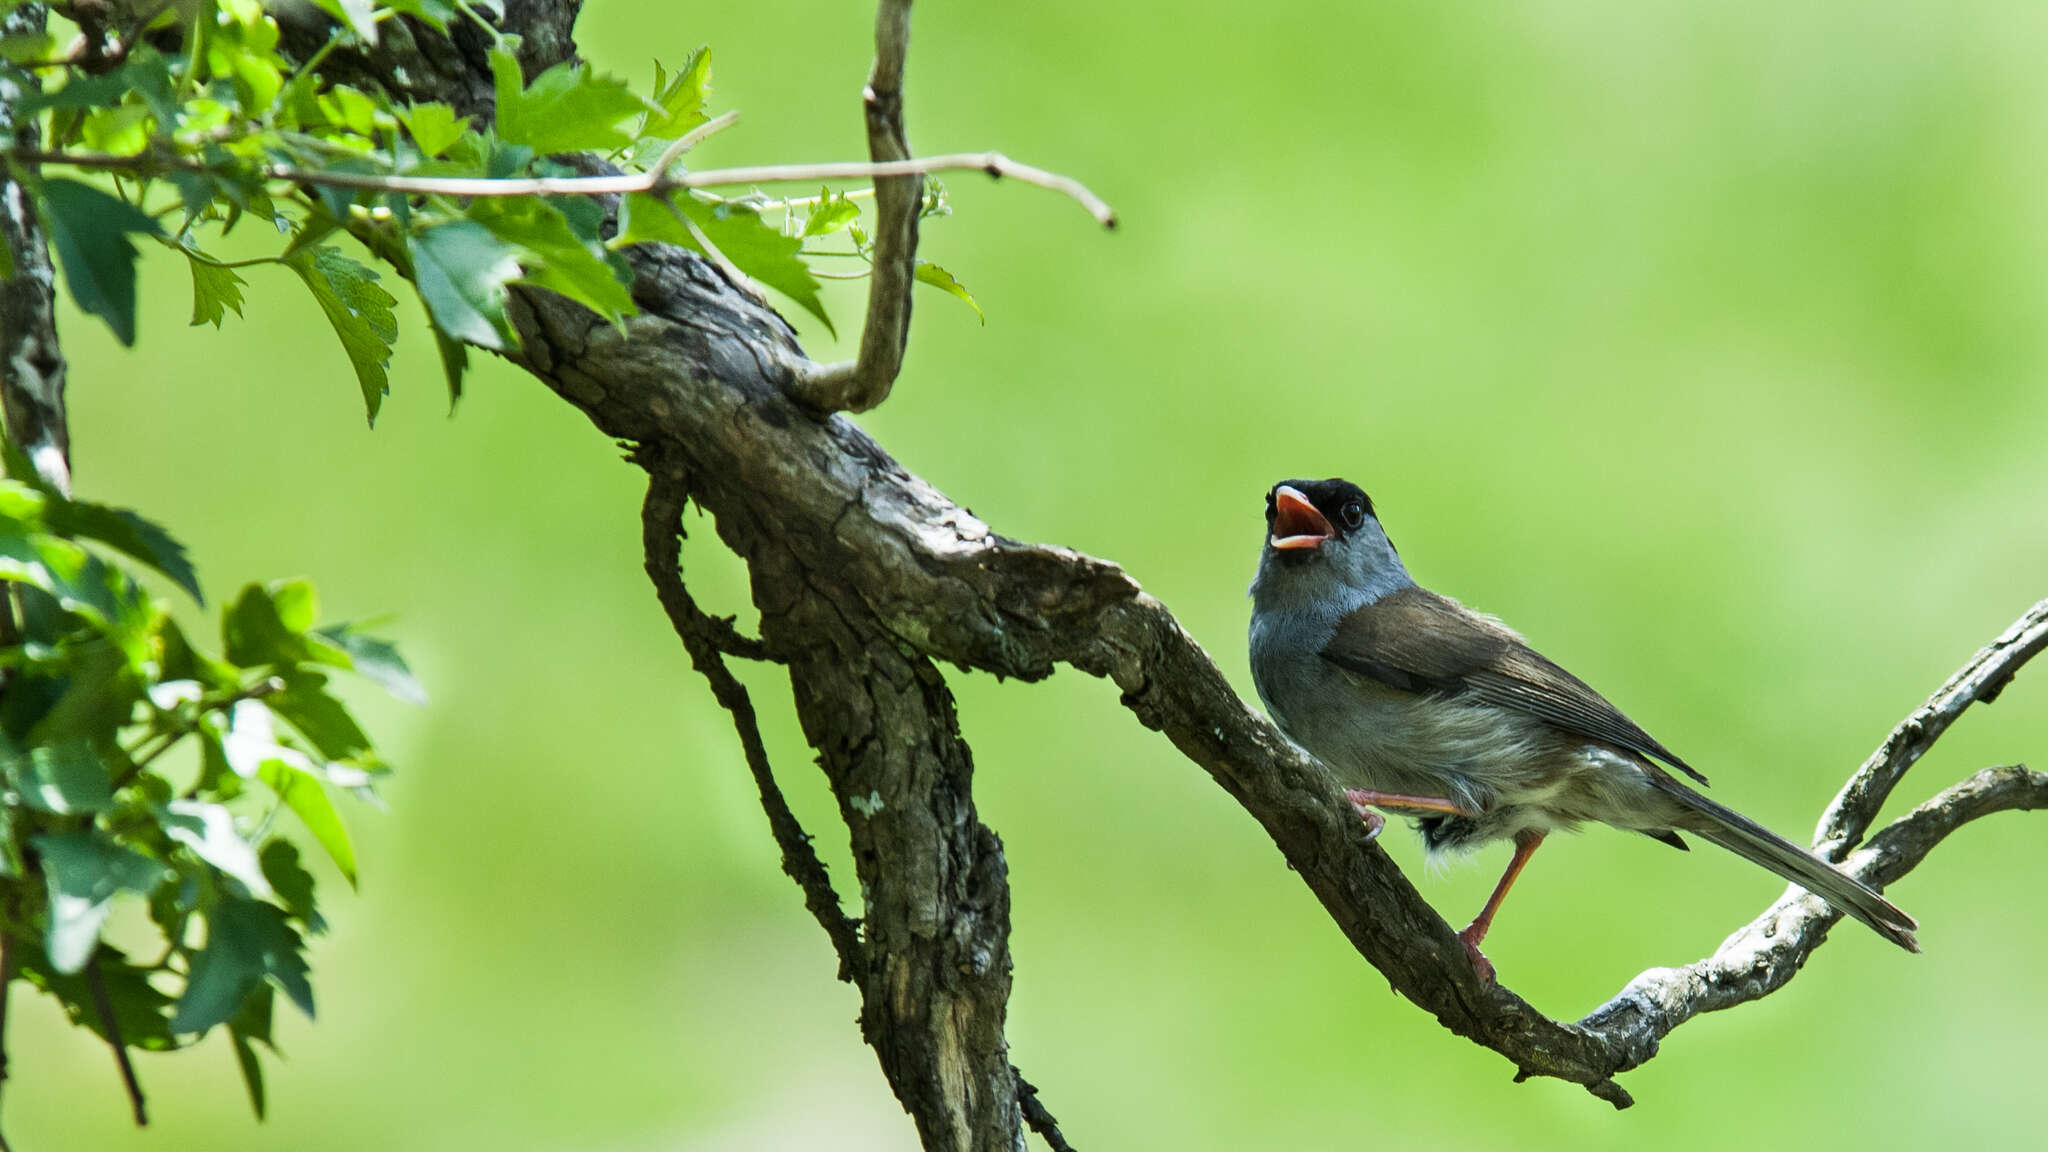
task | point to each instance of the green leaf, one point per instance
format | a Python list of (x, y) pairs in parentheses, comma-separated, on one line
[(90, 231), (85, 870), (435, 13), (302, 792), (833, 212), (553, 256), (65, 777), (252, 1071), (937, 277), (359, 15), (255, 633), (246, 940), (305, 703), (140, 1010), (753, 246), (209, 831), (100, 693), (293, 884), (127, 532), (182, 661), (565, 109), (251, 1026), (461, 270), (454, 358), (214, 290), (376, 660), (682, 101), (434, 126), (359, 311), (23, 47), (296, 605)]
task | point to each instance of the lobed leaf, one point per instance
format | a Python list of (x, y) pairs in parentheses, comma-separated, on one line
[(246, 941), (566, 109), (214, 290), (90, 229), (358, 310)]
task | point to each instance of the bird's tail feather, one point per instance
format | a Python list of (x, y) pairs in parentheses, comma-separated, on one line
[(1759, 845)]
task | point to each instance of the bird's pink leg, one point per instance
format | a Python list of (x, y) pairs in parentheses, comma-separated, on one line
[(1473, 933), (1360, 797)]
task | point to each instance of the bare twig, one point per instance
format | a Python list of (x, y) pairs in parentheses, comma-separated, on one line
[(691, 139), (994, 163), (705, 637), (104, 1007), (1764, 955), (1980, 680), (863, 383), (1035, 1114)]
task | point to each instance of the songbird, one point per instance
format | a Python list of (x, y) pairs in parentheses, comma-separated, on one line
[(1420, 705)]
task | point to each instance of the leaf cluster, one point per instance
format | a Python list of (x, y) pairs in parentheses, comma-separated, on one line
[(204, 125), (137, 767)]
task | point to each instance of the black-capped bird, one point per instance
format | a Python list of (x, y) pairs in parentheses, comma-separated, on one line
[(1421, 705)]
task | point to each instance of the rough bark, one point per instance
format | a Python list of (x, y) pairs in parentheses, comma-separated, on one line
[(31, 361)]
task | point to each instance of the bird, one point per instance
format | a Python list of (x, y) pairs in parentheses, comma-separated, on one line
[(1424, 707)]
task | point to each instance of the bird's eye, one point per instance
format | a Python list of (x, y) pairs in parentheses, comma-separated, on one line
[(1354, 514)]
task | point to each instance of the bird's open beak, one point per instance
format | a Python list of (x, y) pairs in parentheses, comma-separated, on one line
[(1296, 523)]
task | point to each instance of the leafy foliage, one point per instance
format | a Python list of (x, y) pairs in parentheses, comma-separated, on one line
[(136, 767), (227, 128)]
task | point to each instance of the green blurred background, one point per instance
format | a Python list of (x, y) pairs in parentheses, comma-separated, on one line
[(1702, 341)]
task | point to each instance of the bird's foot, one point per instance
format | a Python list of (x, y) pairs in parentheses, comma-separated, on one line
[(1481, 966), (1374, 822)]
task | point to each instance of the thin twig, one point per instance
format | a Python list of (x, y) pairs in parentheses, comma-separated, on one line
[(994, 163), (703, 636), (1036, 1116), (6, 987), (692, 138), (864, 382), (1980, 680), (104, 1007), (256, 691)]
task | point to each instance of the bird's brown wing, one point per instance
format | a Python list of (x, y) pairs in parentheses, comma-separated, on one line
[(1418, 641)]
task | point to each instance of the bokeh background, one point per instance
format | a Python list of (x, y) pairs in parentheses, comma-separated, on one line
[(1703, 341)]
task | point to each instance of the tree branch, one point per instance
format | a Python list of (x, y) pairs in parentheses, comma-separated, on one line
[(104, 1008), (31, 360), (865, 382), (703, 637), (995, 164), (1980, 680)]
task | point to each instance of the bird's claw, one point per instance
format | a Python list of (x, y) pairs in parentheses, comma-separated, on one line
[(1481, 966), (1373, 821)]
